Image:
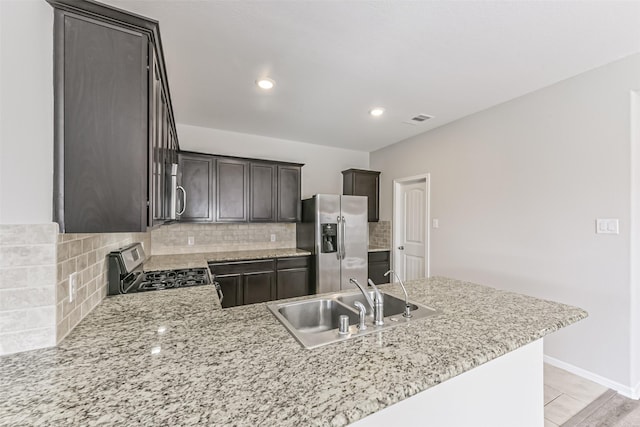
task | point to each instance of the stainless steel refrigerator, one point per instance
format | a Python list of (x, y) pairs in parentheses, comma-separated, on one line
[(334, 229)]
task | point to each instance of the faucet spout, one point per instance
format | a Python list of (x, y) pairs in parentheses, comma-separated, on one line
[(378, 311), (364, 292), (407, 307)]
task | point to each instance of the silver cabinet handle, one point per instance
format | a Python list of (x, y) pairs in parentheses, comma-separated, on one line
[(184, 199), (219, 290), (401, 248)]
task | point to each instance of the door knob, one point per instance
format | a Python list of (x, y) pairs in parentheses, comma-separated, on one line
[(401, 248)]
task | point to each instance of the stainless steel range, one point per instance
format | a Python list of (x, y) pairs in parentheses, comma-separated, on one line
[(126, 273)]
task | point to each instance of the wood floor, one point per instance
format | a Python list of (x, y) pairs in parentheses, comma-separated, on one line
[(572, 401)]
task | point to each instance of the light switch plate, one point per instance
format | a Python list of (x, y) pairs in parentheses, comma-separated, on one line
[(607, 226), (435, 223), (273, 237)]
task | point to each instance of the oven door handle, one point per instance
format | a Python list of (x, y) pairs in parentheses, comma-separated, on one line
[(219, 289)]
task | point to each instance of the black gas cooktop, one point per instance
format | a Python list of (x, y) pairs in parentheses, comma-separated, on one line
[(126, 273), (166, 279)]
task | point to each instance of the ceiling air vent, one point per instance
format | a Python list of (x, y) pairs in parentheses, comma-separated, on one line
[(418, 119), (421, 118)]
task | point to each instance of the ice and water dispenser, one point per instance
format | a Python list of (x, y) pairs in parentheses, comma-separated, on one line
[(329, 234)]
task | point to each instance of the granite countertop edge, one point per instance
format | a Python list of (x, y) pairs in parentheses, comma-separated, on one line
[(201, 259)]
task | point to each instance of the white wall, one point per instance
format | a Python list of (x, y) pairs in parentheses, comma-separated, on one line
[(634, 300), (517, 189), (26, 111), (322, 165)]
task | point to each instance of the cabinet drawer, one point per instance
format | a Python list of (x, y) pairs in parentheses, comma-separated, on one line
[(379, 256), (293, 262), (242, 267)]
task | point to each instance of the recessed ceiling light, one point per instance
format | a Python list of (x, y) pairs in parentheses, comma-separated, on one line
[(376, 112), (265, 83)]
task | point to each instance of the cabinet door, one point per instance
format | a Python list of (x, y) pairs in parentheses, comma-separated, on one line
[(262, 192), (232, 185), (258, 287), (289, 193), (102, 101), (154, 138), (358, 182), (196, 177), (378, 265), (292, 283), (231, 289), (376, 272)]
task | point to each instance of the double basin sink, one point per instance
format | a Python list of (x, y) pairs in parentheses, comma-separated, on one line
[(315, 322)]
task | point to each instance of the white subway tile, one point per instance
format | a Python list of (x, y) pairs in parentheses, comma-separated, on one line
[(15, 342), (16, 299), (25, 319)]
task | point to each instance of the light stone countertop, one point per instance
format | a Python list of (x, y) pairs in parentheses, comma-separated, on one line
[(175, 358), (373, 248), (200, 259)]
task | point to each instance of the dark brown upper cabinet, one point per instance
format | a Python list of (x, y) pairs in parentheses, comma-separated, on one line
[(197, 178), (232, 190), (289, 193), (114, 130), (358, 182), (262, 192)]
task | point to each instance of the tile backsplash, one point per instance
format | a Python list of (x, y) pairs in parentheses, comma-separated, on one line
[(27, 286), (85, 254), (35, 264), (36, 261), (380, 234), (174, 238)]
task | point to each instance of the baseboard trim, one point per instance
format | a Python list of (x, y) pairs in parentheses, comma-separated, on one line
[(626, 391)]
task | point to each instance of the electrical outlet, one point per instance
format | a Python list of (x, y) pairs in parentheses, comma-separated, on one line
[(191, 240), (435, 223), (73, 286), (273, 237)]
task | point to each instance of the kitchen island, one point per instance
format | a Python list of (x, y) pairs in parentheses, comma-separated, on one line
[(175, 358)]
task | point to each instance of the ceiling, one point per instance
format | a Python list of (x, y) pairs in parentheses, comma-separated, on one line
[(333, 61)]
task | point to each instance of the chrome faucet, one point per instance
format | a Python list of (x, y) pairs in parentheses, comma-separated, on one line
[(377, 304), (407, 307)]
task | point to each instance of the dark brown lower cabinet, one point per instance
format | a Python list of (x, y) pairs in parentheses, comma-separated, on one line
[(259, 287), (293, 277), (231, 289), (254, 281), (378, 265)]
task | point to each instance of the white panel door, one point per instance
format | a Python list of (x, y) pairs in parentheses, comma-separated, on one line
[(411, 247)]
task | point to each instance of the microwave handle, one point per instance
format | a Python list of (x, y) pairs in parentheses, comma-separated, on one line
[(184, 199)]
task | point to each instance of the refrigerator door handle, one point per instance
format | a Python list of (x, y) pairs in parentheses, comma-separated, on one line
[(339, 242), (344, 230)]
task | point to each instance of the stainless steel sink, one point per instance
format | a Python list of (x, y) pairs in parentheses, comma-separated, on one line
[(314, 322), (316, 315)]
